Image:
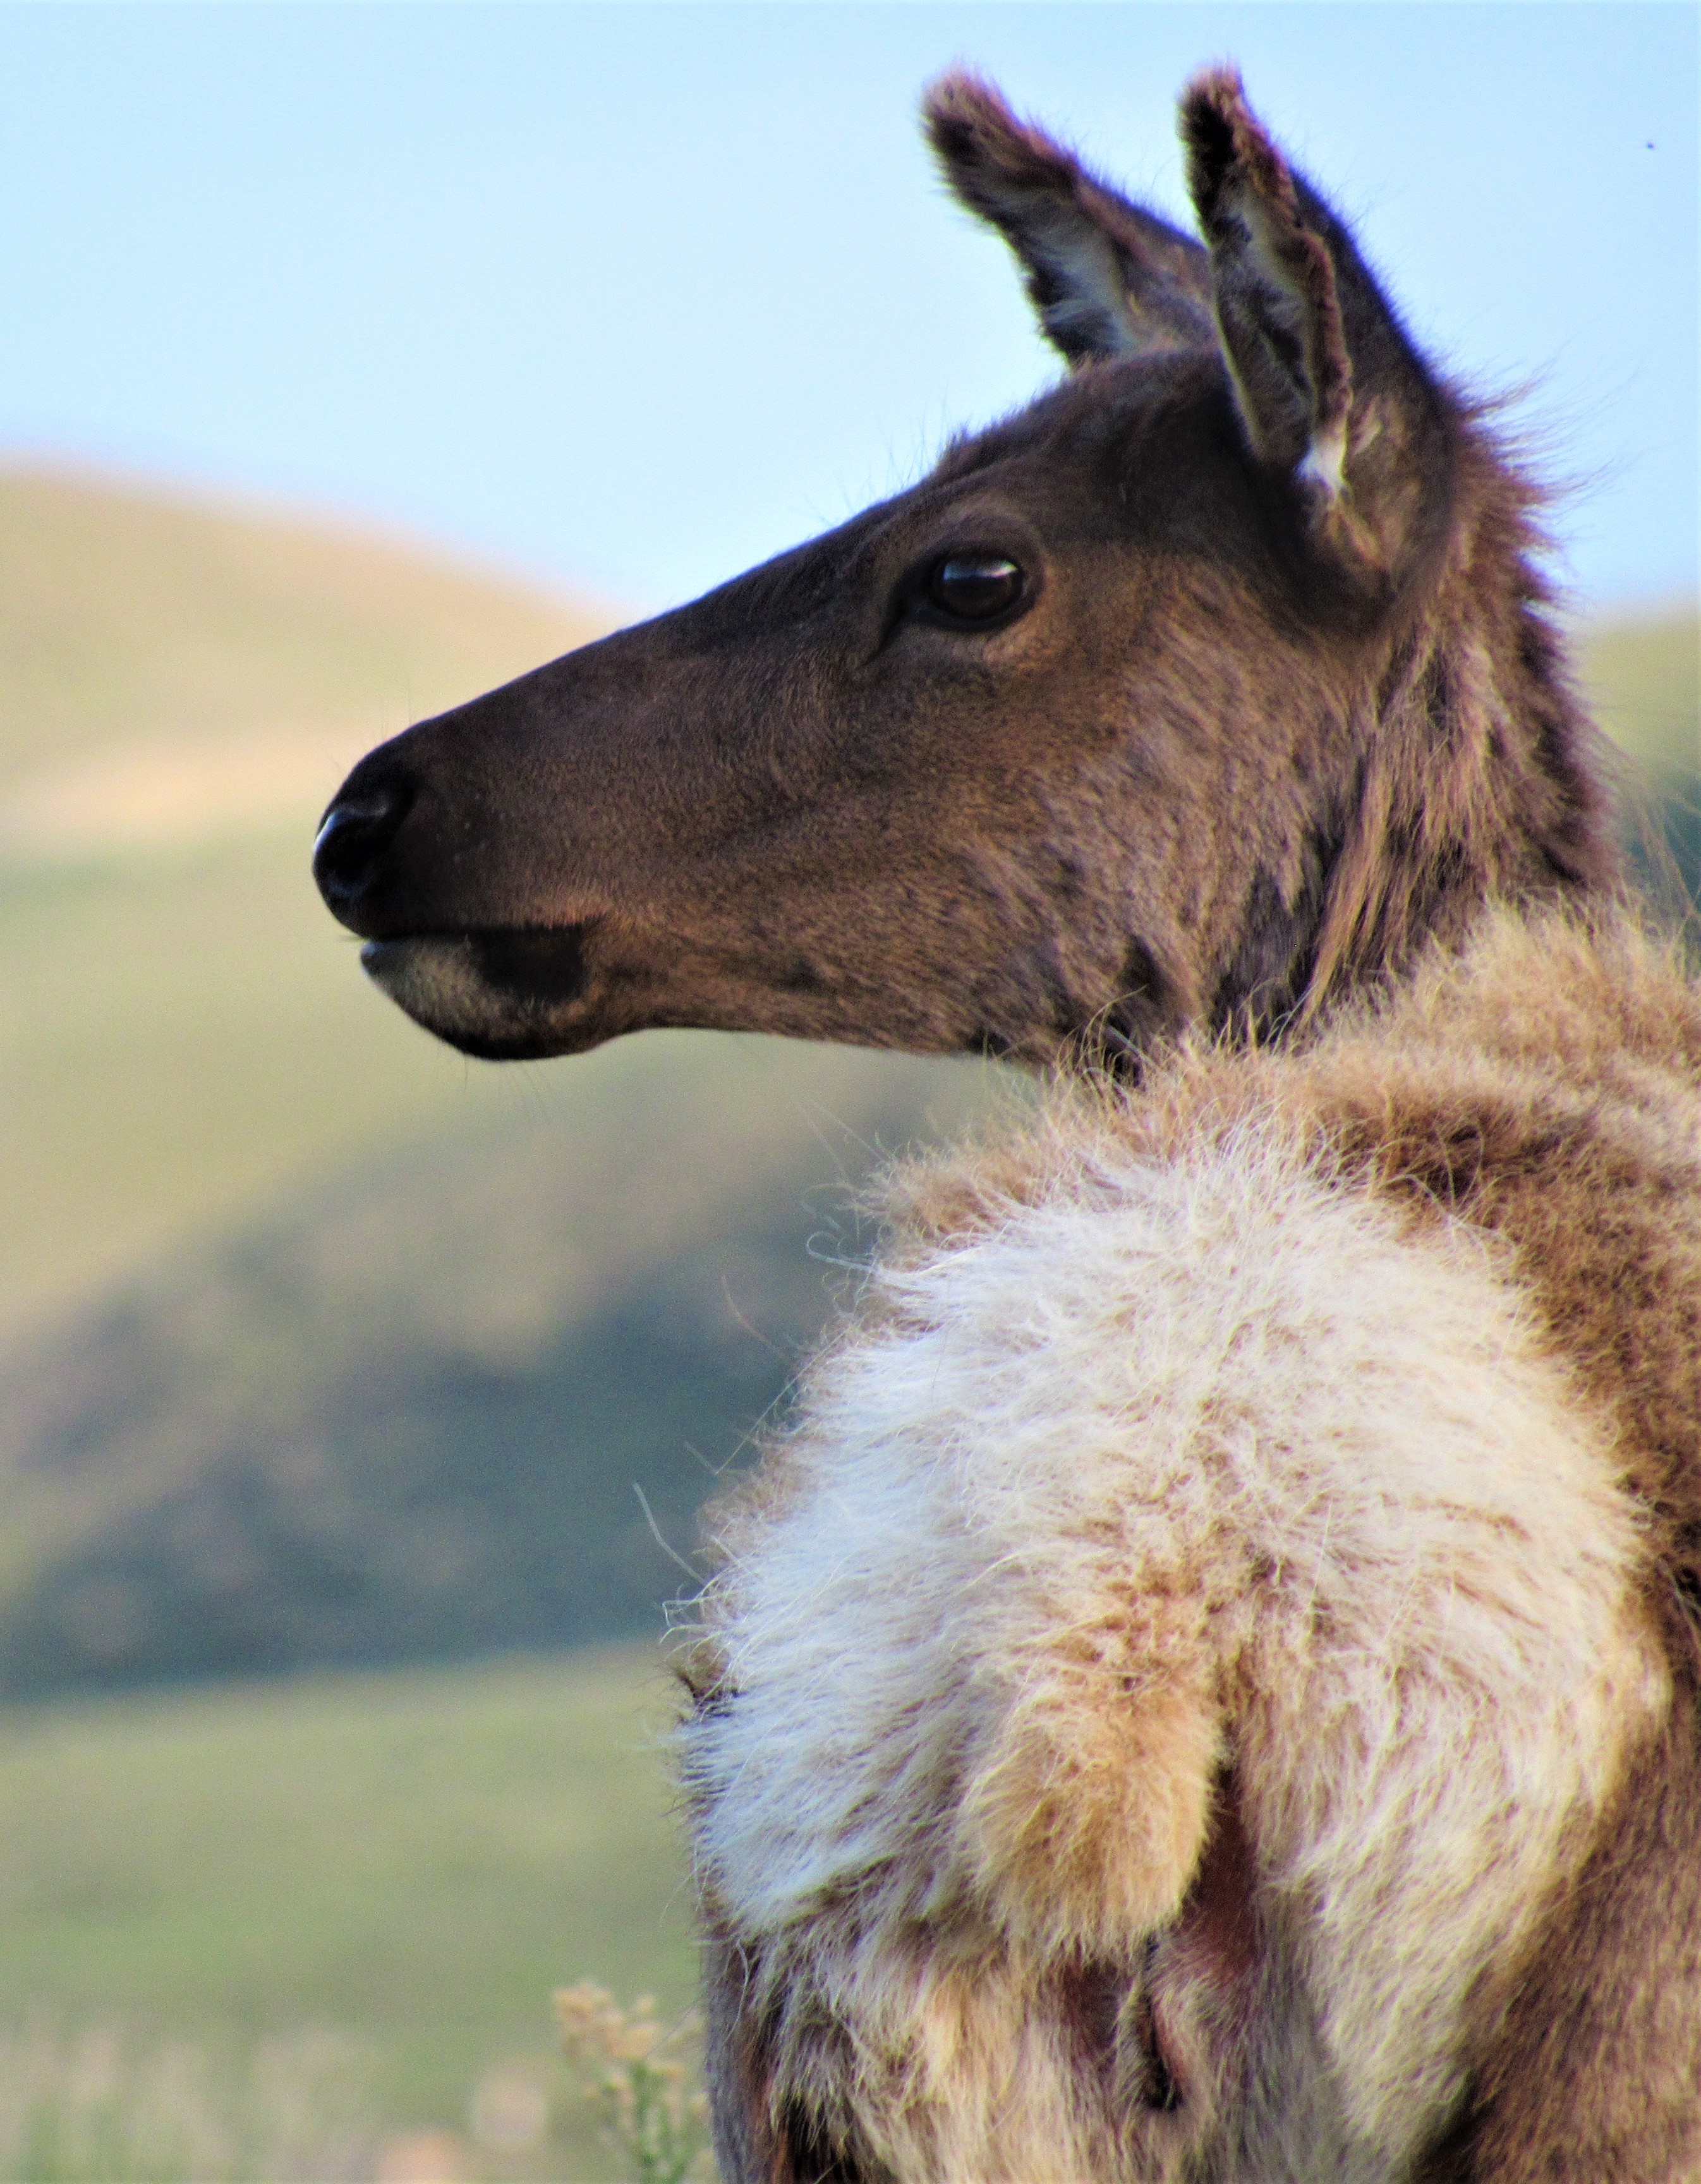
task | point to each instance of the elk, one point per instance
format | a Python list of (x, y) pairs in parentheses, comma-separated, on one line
[(1206, 1683)]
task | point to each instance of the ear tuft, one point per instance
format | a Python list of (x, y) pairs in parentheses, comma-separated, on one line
[(1107, 278), (1278, 303)]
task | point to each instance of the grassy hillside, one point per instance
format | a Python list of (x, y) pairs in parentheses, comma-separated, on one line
[(180, 1037), (413, 1412), (135, 618), (409, 1862), (1643, 676), (182, 1029), (1643, 673)]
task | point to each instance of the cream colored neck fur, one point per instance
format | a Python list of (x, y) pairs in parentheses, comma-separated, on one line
[(1171, 1480)]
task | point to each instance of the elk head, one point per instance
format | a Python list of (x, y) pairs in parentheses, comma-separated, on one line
[(1208, 684)]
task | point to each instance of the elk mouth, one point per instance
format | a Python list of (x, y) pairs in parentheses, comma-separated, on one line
[(515, 994)]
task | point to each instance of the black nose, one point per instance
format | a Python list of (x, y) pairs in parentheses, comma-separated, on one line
[(354, 837)]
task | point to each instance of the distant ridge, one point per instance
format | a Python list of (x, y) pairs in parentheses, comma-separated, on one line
[(137, 622), (183, 682)]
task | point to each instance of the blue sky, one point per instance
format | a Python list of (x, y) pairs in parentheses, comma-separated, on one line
[(630, 297)]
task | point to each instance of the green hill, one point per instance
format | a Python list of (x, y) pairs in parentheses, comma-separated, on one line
[(414, 1412), (181, 686), (1644, 676), (1643, 673), (136, 618)]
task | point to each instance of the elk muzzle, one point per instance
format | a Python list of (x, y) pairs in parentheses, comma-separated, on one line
[(491, 958)]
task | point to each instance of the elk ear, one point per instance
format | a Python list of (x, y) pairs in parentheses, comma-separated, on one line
[(1106, 278), (1330, 391)]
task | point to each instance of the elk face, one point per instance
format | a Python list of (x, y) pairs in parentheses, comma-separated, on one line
[(1060, 748), (885, 788)]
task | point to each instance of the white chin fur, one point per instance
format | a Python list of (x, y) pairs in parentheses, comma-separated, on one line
[(438, 983)]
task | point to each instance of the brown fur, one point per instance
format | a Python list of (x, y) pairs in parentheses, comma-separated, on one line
[(1151, 286), (1561, 1135), (1277, 715), (1542, 1092), (1529, 1091), (1525, 1089)]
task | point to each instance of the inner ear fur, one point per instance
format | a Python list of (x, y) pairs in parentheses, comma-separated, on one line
[(1332, 397), (1330, 391), (1107, 278)]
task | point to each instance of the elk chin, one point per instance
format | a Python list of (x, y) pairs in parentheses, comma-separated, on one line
[(515, 995)]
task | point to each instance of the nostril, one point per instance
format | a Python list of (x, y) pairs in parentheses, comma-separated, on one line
[(354, 836)]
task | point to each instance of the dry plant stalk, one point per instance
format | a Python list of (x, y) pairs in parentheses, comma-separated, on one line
[(644, 2079)]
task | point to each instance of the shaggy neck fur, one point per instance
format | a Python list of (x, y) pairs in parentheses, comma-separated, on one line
[(1478, 777), (1197, 1692)]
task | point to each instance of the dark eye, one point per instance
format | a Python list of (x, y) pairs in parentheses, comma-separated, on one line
[(974, 587)]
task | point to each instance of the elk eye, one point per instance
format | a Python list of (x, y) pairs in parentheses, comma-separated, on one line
[(974, 587)]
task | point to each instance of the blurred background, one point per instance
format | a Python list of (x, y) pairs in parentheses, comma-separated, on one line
[(356, 1401)]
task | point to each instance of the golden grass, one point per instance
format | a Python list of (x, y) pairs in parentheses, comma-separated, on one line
[(95, 2107)]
